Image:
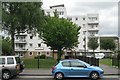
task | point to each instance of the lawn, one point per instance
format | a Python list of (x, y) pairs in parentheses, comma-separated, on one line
[(43, 63), (106, 62)]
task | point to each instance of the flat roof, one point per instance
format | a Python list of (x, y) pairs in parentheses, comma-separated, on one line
[(62, 5)]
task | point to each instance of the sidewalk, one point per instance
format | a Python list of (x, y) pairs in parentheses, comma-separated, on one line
[(108, 70), (37, 72)]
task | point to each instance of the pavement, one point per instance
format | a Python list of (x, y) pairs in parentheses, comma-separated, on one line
[(108, 70)]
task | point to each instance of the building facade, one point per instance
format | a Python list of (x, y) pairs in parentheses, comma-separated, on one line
[(29, 45)]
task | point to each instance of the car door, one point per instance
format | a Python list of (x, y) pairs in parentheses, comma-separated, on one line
[(78, 69), (2, 66), (66, 68)]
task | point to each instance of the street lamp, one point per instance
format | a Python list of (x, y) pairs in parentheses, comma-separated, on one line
[(84, 39)]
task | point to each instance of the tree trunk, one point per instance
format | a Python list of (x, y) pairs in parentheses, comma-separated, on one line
[(59, 54), (53, 54), (93, 53), (13, 46)]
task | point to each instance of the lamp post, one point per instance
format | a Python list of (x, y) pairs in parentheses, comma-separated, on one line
[(84, 42)]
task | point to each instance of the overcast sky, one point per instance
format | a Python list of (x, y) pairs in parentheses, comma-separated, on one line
[(108, 12)]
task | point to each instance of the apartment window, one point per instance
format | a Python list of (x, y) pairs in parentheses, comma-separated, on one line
[(30, 54), (83, 25), (38, 53), (48, 53), (76, 19), (83, 18), (48, 13), (16, 37), (39, 45), (30, 44), (69, 19), (31, 37)]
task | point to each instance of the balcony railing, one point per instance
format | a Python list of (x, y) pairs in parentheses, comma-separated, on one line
[(20, 41), (93, 22), (93, 29), (39, 48), (20, 49)]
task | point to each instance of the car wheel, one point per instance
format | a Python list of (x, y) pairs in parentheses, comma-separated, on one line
[(94, 76), (59, 76), (6, 75)]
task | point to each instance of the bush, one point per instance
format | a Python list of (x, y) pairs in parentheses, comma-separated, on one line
[(40, 57)]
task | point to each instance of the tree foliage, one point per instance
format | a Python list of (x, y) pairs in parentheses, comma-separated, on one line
[(93, 43), (18, 17), (107, 44), (6, 46), (60, 34)]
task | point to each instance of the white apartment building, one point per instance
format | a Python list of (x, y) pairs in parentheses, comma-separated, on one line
[(29, 45)]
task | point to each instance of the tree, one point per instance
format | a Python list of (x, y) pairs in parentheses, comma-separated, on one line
[(18, 17), (6, 46), (93, 44), (107, 44), (60, 34)]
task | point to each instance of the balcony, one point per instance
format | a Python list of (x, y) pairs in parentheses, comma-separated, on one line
[(21, 41), (20, 49), (39, 48), (93, 22), (93, 29)]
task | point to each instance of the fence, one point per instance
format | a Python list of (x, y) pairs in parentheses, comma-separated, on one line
[(116, 61), (90, 60)]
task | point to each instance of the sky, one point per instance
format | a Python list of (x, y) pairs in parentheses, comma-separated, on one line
[(107, 10)]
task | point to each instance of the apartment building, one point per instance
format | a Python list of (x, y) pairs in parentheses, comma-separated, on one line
[(28, 45)]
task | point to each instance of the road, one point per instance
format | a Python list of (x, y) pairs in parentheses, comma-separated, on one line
[(51, 78)]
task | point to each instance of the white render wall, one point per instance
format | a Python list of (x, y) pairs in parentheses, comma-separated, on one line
[(89, 27)]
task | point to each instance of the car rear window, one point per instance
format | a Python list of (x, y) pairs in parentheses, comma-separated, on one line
[(66, 64), (2, 60), (18, 59), (10, 60)]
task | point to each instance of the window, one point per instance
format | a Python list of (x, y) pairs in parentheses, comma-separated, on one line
[(76, 19), (30, 54), (83, 25), (39, 45), (48, 13), (83, 18), (47, 53), (69, 19), (66, 64), (38, 53), (10, 61), (30, 44), (31, 37), (2, 60), (16, 37), (76, 64)]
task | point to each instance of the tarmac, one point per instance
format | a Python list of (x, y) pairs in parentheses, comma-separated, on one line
[(108, 70)]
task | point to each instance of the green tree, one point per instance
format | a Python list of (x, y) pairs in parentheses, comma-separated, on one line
[(60, 34), (18, 17), (107, 44), (6, 46), (93, 44)]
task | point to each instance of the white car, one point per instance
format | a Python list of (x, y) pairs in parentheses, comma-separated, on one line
[(10, 66)]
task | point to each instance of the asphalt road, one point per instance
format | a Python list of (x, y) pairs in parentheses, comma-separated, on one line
[(51, 78)]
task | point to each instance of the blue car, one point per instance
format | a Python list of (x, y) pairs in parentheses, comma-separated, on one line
[(76, 68)]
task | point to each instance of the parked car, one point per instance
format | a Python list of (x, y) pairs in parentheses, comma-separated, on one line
[(76, 68), (10, 66)]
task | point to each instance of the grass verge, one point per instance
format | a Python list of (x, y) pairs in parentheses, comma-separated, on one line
[(43, 63)]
